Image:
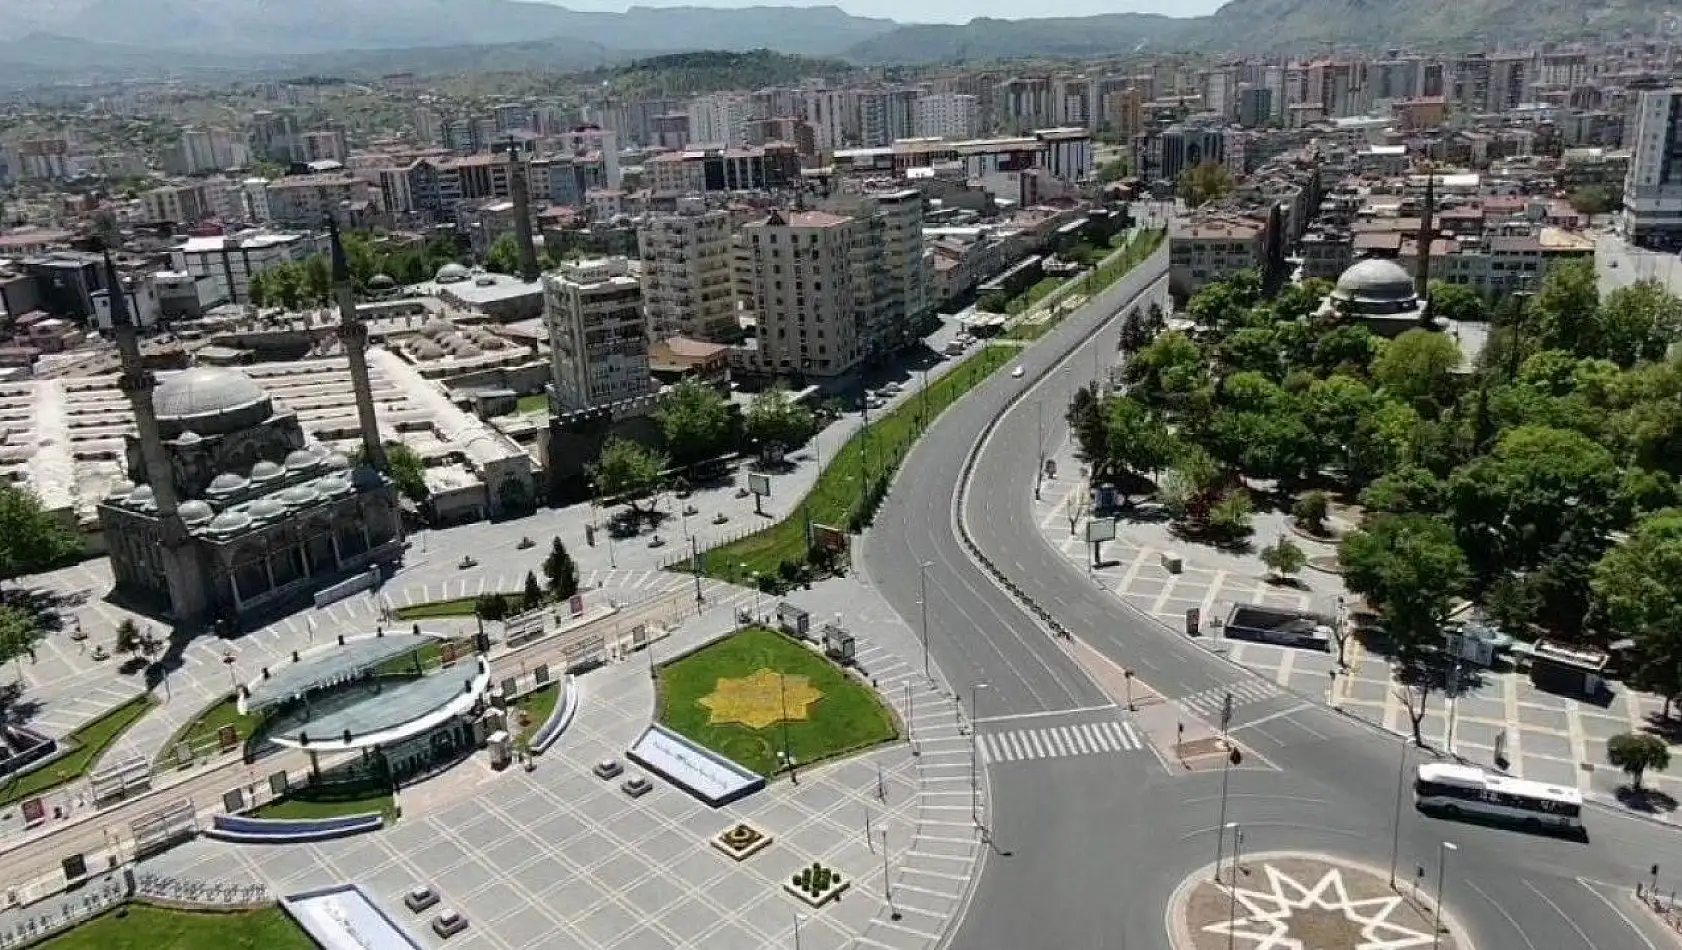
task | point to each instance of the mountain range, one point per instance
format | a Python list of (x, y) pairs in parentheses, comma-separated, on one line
[(75, 38)]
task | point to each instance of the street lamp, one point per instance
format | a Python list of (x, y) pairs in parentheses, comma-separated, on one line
[(1442, 864), (974, 755), (887, 887), (923, 602), (1232, 892), (1220, 845), (1396, 821)]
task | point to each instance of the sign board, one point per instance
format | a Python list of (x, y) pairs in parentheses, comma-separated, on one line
[(639, 636), (759, 484), (541, 674), (75, 867), (1050, 468), (1194, 619), (828, 538), (34, 811), (585, 650), (575, 604), (227, 737), (1226, 711), (510, 686), (233, 801), (1475, 650), (279, 783), (1099, 530), (1103, 497)]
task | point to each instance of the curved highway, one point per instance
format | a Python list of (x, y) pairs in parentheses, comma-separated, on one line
[(1087, 849)]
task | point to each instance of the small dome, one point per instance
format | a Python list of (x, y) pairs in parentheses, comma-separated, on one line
[(189, 437), (227, 483), (196, 512), (119, 490), (332, 485), (266, 471), (437, 327), (1375, 280), (230, 522), (451, 273), (142, 496), (299, 495), (301, 459), (205, 391), (337, 462), (381, 282), (266, 509)]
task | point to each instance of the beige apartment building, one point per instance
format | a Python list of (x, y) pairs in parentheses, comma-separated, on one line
[(798, 280), (686, 273), (598, 341)]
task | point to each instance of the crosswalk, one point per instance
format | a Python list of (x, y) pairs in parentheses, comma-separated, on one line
[(1055, 742), (1207, 703)]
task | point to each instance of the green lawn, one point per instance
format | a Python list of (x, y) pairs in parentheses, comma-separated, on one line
[(201, 732), (537, 705), (1095, 281), (534, 404), (331, 801), (837, 492), (436, 609), (86, 745), (144, 927), (848, 717)]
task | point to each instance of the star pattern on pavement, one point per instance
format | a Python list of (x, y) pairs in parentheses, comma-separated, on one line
[(1291, 915)]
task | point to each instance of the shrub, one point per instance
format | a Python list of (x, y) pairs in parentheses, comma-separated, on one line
[(1310, 512)]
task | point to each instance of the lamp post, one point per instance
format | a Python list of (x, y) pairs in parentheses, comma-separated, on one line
[(974, 755), (1442, 865), (1232, 892), (1396, 821), (923, 603), (1220, 833), (796, 932), (1220, 842), (910, 719), (887, 887)]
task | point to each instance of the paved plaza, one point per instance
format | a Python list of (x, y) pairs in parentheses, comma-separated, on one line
[(1550, 738), (557, 857)]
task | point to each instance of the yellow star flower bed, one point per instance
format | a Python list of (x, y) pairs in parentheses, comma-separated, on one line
[(730, 697), (759, 700)]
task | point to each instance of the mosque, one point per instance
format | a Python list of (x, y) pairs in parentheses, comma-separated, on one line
[(237, 515)]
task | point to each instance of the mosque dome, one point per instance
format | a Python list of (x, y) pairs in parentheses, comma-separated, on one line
[(337, 462), (298, 496), (266, 471), (266, 509), (301, 459), (196, 512), (230, 522), (1375, 281), (227, 483), (451, 273), (380, 282), (437, 327), (142, 497), (332, 485), (207, 397)]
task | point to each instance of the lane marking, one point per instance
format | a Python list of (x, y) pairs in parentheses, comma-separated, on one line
[(1015, 717)]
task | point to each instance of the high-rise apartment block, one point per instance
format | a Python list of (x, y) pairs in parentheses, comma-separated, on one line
[(686, 273), (719, 119), (948, 115), (1653, 185), (598, 341)]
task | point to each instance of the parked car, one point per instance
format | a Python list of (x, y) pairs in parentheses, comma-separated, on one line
[(1016, 373)]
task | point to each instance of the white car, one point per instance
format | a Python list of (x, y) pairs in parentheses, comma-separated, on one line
[(1016, 373)]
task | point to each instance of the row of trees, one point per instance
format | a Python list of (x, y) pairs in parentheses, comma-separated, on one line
[(698, 423), (309, 282), (561, 574), (1505, 481)]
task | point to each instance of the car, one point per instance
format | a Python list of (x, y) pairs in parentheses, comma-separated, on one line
[(636, 786), (1016, 373), (1612, 263), (449, 923), (420, 897), (467, 561), (892, 389), (607, 769)]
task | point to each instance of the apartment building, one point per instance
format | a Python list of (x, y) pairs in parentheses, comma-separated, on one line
[(686, 273), (1206, 248), (598, 341), (720, 118), (1653, 185), (222, 265), (948, 115), (770, 167), (303, 201), (797, 278)]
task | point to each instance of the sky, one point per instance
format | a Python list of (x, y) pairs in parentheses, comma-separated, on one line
[(938, 11)]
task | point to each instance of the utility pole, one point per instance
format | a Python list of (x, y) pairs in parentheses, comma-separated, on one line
[(695, 567)]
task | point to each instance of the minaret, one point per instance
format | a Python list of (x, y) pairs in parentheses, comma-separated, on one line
[(186, 588), (354, 334), (1427, 230), (519, 188)]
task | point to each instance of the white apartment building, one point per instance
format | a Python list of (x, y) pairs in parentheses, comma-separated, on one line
[(598, 341), (1653, 185), (686, 273), (719, 119), (797, 277), (301, 201), (948, 115), (190, 202), (223, 265), (207, 150)]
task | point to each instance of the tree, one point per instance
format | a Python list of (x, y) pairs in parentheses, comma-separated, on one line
[(1639, 322), (774, 418), (1112, 171), (1407, 490), (503, 257), (1134, 334), (1136, 439), (1635, 753), (1087, 422), (1590, 200), (257, 291), (491, 606), (1167, 370), (1419, 367), (1565, 313), (1205, 183), (561, 571), (406, 469), (1192, 485), (532, 597), (317, 279), (1347, 348), (1457, 302), (18, 632), (1231, 514), (32, 539), (695, 420), (628, 471), (1638, 584), (1310, 512), (1284, 557), (128, 636)]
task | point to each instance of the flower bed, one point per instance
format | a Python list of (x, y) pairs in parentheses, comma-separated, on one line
[(741, 841), (816, 885)]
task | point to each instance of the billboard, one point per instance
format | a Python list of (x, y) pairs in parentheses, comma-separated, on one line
[(1099, 530)]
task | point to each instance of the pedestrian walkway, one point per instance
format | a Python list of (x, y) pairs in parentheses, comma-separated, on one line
[(1055, 742), (1209, 702)]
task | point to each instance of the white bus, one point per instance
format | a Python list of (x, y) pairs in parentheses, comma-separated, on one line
[(1455, 790)]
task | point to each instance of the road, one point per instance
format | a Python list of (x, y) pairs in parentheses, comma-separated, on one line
[(1088, 848)]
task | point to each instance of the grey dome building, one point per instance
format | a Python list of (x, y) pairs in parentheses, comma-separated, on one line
[(1378, 294)]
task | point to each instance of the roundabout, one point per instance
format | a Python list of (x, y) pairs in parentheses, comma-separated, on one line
[(1301, 901)]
